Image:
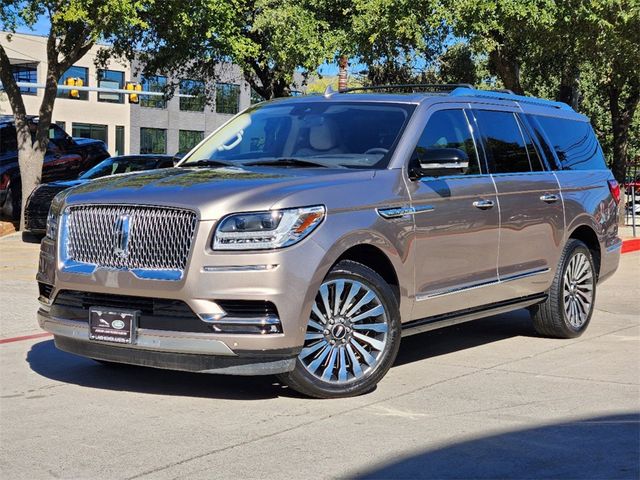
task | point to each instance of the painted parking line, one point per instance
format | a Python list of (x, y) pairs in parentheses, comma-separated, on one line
[(24, 337)]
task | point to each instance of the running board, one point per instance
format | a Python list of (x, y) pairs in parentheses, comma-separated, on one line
[(460, 316)]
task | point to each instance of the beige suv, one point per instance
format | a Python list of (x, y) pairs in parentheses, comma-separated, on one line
[(307, 235)]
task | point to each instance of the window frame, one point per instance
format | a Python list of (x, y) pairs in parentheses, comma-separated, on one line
[(471, 127), (515, 113), (223, 85), (164, 152), (145, 100), (81, 94), (91, 127), (26, 67), (121, 85)]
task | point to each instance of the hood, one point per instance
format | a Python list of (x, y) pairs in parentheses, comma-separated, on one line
[(87, 141), (217, 191), (65, 183)]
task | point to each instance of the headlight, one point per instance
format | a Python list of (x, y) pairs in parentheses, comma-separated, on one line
[(266, 230), (52, 224)]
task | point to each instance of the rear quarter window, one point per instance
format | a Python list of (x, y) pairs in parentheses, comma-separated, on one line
[(574, 142)]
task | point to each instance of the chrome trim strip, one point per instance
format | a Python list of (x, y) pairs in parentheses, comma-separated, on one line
[(147, 339), (260, 321), (399, 212), (239, 268), (510, 278)]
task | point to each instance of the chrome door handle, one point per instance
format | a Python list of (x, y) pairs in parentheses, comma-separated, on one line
[(549, 198), (483, 204)]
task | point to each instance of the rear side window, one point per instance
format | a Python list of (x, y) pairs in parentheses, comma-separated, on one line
[(450, 129), (506, 147), (574, 142)]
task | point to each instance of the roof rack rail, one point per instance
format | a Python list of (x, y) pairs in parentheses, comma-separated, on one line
[(430, 87), (501, 95)]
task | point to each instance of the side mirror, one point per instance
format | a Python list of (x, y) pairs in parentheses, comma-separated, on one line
[(436, 162)]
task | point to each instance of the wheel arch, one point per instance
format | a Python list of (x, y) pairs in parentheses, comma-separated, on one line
[(587, 235)]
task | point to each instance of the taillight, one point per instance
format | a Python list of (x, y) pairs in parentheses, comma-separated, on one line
[(4, 181), (614, 188)]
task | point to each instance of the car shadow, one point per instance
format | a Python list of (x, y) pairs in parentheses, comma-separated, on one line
[(46, 360), (597, 448)]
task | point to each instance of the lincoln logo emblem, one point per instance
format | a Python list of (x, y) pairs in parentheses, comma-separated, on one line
[(121, 237)]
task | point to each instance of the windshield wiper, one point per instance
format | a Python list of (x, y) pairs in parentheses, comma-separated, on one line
[(286, 162), (207, 163)]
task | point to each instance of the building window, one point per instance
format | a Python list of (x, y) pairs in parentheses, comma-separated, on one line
[(90, 130), (26, 72), (227, 98), (110, 79), (193, 104), (187, 139), (75, 72), (153, 140), (255, 97), (155, 83), (119, 140)]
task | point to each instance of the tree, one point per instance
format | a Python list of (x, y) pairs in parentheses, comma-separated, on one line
[(75, 27), (268, 39), (563, 50)]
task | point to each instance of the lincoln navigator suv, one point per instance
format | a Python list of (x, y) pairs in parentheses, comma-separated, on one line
[(306, 236)]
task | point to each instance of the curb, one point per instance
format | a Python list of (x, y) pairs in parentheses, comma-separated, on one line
[(630, 245), (6, 228)]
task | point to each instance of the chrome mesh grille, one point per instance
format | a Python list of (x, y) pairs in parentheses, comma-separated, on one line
[(158, 237)]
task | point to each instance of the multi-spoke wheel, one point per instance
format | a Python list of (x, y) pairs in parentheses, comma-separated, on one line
[(568, 309), (352, 334)]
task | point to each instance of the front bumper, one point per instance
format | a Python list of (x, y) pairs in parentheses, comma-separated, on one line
[(193, 352)]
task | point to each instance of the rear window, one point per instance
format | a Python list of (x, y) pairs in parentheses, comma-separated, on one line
[(574, 142)]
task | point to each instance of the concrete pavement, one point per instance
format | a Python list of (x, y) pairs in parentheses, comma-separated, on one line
[(488, 399)]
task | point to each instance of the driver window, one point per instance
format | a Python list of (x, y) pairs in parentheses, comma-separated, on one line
[(450, 129)]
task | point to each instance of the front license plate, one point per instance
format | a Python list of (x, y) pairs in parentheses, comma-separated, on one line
[(109, 325)]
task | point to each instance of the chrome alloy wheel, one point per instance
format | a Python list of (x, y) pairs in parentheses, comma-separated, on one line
[(577, 290), (347, 332)]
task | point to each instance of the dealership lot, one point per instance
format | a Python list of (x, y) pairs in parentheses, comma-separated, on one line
[(485, 399)]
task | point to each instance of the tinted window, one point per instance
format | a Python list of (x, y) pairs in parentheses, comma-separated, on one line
[(353, 135), (450, 129), (8, 139), (504, 142), (574, 142)]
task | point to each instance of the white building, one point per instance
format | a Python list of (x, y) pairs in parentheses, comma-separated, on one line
[(155, 125)]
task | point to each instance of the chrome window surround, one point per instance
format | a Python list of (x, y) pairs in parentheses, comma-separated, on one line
[(151, 242)]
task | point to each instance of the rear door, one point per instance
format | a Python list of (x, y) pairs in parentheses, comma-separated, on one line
[(531, 210)]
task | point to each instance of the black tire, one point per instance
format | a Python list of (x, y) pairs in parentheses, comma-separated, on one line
[(551, 318), (301, 380)]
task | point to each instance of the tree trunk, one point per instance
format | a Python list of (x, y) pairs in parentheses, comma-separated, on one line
[(568, 91), (507, 68), (621, 117)]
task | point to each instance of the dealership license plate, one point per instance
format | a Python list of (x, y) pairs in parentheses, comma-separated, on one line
[(109, 325)]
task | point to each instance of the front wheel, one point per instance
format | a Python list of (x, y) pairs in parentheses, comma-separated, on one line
[(568, 309), (352, 336)]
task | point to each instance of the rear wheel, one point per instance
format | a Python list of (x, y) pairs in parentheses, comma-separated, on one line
[(567, 311), (352, 336)]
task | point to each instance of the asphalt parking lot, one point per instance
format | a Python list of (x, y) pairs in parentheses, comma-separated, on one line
[(487, 399)]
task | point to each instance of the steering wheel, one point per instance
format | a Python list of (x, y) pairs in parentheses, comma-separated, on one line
[(377, 150)]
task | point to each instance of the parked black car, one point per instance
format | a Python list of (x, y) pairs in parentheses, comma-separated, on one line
[(65, 158), (40, 200)]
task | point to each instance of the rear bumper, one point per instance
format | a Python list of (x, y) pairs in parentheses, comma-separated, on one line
[(193, 352)]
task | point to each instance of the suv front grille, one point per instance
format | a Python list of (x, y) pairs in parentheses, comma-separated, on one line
[(130, 237)]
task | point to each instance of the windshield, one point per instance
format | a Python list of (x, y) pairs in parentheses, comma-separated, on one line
[(353, 135), (114, 165)]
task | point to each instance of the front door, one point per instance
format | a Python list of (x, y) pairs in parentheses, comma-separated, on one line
[(456, 223)]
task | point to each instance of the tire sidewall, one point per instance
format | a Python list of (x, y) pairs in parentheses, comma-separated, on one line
[(316, 387), (576, 247)]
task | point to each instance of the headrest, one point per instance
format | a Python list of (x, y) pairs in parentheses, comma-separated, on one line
[(323, 136)]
